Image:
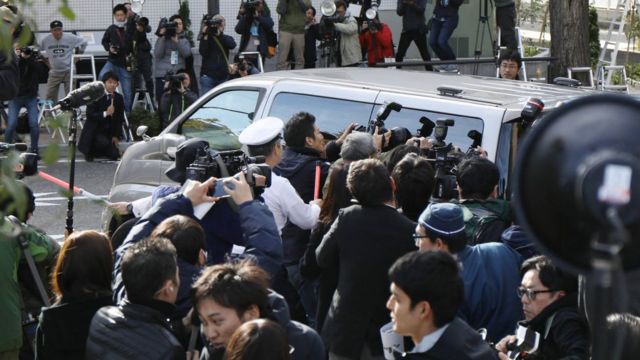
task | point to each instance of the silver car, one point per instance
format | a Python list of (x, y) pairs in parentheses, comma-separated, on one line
[(338, 97)]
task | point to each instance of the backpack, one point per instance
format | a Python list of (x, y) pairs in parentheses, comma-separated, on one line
[(483, 225)]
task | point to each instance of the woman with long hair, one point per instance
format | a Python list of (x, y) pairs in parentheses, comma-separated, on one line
[(81, 282), (335, 198)]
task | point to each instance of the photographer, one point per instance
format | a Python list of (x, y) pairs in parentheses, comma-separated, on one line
[(291, 27), (170, 51), (27, 98), (9, 71), (242, 68), (255, 26), (40, 247), (214, 48), (176, 97), (414, 29), (377, 40), (506, 21), (142, 55), (347, 27), (117, 42), (58, 48)]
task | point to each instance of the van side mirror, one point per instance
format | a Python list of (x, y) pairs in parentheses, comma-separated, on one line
[(141, 131)]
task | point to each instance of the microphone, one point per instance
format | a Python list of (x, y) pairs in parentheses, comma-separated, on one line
[(83, 95), (16, 147)]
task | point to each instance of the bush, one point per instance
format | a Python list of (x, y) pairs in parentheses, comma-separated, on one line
[(141, 116)]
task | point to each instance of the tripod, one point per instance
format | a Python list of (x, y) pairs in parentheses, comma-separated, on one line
[(483, 27)]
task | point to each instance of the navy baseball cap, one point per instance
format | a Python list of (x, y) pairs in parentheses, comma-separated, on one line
[(55, 24), (443, 219)]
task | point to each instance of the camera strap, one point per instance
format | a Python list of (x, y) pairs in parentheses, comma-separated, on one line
[(224, 55)]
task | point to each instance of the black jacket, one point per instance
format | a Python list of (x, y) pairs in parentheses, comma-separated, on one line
[(141, 46), (121, 37), (413, 18), (215, 55), (567, 337), (441, 11), (133, 331), (9, 77), (305, 341), (243, 28), (173, 104), (460, 342), (64, 328), (96, 123), (29, 73), (298, 165), (364, 242)]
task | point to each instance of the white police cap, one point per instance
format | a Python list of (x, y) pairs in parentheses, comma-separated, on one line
[(261, 131)]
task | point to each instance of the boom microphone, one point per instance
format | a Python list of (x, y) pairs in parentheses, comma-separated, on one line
[(83, 95)]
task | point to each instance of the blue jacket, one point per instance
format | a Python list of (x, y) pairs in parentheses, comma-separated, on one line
[(265, 26), (491, 276), (259, 232)]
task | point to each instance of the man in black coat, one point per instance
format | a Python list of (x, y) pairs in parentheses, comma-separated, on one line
[(103, 128), (214, 48), (363, 243), (139, 328), (550, 304), (304, 151), (426, 293), (9, 72)]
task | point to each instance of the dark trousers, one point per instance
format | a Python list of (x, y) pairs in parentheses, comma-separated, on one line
[(420, 39), (144, 73), (441, 31), (159, 89), (506, 20)]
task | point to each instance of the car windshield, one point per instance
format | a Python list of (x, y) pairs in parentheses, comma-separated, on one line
[(222, 118), (332, 115)]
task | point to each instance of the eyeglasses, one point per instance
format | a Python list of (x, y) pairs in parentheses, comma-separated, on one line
[(531, 294), (417, 237), (509, 66)]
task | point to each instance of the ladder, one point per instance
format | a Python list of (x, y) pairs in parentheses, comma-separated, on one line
[(520, 49), (47, 108), (144, 100), (584, 69), (609, 53), (85, 77)]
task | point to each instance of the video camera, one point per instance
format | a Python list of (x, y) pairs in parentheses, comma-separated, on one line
[(250, 6), (228, 163), (211, 23), (445, 185), (170, 28), (27, 162), (175, 80), (32, 51)]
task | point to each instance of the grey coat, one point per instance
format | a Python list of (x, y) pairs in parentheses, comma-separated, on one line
[(162, 55)]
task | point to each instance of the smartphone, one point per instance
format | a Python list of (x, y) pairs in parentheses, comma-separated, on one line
[(218, 188)]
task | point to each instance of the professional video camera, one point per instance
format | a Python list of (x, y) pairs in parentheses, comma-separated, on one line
[(207, 20), (32, 51), (170, 28), (174, 80), (27, 164), (445, 163), (228, 163), (250, 6)]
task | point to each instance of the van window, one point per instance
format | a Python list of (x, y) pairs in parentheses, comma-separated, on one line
[(332, 115), (457, 134), (222, 118)]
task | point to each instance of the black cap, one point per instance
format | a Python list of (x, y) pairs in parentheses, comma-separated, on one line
[(55, 24), (186, 154)]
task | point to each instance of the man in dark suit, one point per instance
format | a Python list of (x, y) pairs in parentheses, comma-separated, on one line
[(102, 131), (363, 243)]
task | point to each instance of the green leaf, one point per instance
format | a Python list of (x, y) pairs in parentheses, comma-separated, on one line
[(50, 155), (67, 12)]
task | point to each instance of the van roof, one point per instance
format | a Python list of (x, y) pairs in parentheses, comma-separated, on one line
[(487, 90)]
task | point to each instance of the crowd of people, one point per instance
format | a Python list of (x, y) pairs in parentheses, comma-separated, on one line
[(311, 259), (327, 250)]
